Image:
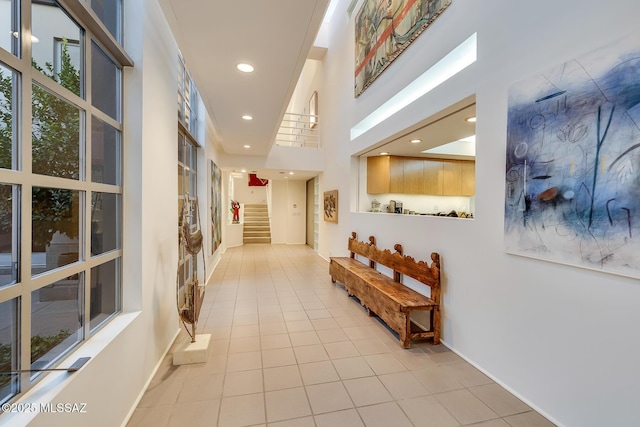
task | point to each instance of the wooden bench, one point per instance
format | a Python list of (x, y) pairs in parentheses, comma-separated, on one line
[(387, 297)]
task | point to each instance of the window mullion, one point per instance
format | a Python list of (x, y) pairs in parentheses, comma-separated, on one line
[(25, 162), (11, 60), (107, 119), (59, 91), (25, 340), (25, 157)]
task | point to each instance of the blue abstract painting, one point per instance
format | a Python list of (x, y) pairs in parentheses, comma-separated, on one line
[(573, 162)]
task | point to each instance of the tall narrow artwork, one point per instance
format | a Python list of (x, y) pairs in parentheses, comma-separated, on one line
[(216, 207), (573, 162), (384, 29)]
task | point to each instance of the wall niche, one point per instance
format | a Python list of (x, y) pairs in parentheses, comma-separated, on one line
[(428, 169)]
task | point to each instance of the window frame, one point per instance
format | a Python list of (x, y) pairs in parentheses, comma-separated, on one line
[(22, 177)]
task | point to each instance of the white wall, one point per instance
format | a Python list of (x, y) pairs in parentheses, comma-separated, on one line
[(562, 338), (279, 211), (288, 210), (307, 83), (245, 194), (279, 158)]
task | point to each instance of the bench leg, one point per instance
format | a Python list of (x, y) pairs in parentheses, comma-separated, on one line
[(405, 334), (333, 280), (435, 325)]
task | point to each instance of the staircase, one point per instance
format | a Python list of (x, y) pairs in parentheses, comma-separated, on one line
[(256, 224)]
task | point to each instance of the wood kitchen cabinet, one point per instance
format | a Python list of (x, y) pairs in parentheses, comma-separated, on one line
[(459, 178), (413, 178), (468, 178), (415, 175), (385, 174), (452, 171), (433, 177)]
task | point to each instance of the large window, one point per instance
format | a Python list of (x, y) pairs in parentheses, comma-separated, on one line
[(187, 99), (60, 183)]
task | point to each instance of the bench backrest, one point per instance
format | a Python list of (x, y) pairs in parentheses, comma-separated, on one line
[(399, 263)]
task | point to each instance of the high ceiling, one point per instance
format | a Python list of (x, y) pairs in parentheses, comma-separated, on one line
[(274, 36)]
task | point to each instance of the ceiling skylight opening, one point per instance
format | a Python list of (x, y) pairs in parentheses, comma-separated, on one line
[(461, 147), (455, 61), (245, 68), (329, 13)]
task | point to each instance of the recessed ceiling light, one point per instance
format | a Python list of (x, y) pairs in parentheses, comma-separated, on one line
[(290, 173), (244, 67), (415, 141), (243, 170), (246, 146), (471, 119), (384, 153), (247, 117)]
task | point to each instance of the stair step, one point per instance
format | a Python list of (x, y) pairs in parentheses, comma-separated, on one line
[(257, 240), (257, 227)]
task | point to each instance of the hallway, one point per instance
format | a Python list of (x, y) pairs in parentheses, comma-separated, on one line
[(291, 349)]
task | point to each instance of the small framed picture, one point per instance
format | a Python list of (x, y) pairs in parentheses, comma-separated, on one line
[(331, 206)]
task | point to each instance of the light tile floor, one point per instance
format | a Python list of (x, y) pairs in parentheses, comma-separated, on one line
[(289, 348)]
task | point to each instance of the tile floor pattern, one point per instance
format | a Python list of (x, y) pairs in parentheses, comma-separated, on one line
[(289, 348)]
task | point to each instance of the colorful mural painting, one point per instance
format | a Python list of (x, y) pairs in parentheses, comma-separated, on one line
[(573, 162), (384, 29)]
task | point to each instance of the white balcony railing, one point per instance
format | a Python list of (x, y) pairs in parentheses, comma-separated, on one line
[(299, 130)]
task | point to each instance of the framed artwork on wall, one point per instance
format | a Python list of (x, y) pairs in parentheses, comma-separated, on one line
[(384, 29), (331, 206), (216, 207), (573, 162)]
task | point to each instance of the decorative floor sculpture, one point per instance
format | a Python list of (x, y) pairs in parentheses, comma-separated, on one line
[(191, 295)]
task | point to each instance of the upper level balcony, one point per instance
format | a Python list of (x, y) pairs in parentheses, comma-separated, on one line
[(299, 130)]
